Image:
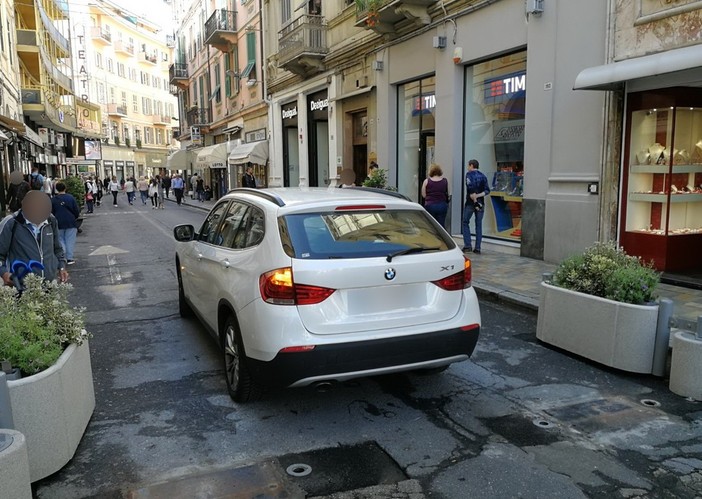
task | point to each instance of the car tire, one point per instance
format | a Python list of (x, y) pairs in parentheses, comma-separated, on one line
[(186, 312), (240, 384)]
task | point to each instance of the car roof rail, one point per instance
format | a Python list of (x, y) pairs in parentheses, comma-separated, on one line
[(386, 192), (269, 196)]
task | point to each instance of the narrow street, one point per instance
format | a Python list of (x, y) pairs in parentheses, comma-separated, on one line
[(519, 420)]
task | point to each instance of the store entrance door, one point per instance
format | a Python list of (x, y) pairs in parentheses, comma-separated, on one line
[(291, 157), (426, 158)]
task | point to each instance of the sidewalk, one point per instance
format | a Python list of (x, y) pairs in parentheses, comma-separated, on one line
[(514, 279)]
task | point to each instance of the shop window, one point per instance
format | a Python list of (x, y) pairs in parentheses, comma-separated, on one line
[(495, 104), (415, 139)]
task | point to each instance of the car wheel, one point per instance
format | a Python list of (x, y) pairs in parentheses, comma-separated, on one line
[(240, 384), (184, 308)]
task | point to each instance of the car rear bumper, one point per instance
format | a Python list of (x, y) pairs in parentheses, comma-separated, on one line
[(341, 361)]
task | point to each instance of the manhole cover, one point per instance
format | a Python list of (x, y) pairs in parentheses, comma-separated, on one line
[(650, 403), (299, 470), (543, 423)]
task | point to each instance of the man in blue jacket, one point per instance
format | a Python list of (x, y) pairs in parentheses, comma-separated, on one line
[(32, 234), (476, 190), (66, 210)]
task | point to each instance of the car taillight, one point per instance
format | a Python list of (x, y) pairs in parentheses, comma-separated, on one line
[(457, 281), (278, 287)]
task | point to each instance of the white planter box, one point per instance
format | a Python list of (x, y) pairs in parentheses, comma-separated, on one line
[(53, 408), (615, 334)]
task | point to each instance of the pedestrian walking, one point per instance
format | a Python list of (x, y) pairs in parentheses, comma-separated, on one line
[(114, 187), (16, 191), (90, 194), (36, 180), (130, 189), (143, 187), (153, 193), (66, 210), (476, 190), (166, 184), (178, 185), (106, 184), (48, 186), (435, 191), (29, 234), (98, 188), (160, 190), (193, 185), (200, 189)]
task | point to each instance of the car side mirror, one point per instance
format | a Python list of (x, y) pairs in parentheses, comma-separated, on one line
[(184, 233)]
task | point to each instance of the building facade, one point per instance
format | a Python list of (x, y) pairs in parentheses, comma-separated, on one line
[(409, 84), (218, 78), (652, 81), (122, 62)]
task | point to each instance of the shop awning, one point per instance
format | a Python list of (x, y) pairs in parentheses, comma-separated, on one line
[(611, 76), (251, 152), (14, 125), (178, 160), (213, 156)]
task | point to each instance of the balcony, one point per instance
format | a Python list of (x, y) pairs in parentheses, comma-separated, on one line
[(220, 29), (199, 117), (381, 16), (122, 47), (100, 35), (178, 75), (148, 58), (160, 119), (302, 45), (116, 110)]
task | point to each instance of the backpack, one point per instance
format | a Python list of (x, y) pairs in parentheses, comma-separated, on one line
[(36, 182), (22, 190)]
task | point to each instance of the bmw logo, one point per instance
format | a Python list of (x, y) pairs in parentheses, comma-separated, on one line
[(390, 274)]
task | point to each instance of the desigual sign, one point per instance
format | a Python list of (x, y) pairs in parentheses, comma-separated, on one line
[(289, 113), (318, 105)]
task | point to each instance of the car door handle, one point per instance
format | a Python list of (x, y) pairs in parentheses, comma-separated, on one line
[(226, 264)]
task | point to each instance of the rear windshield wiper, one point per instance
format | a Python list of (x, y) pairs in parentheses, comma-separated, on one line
[(407, 251)]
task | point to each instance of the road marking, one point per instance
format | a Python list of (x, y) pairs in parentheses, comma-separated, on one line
[(115, 275), (107, 250)]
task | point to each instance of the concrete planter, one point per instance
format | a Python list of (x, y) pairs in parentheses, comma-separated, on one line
[(53, 408), (615, 334), (14, 468)]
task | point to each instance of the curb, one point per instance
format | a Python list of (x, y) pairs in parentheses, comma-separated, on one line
[(191, 205), (500, 295)]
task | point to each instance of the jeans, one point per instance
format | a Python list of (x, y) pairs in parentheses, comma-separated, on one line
[(201, 196), (154, 200), (144, 196), (179, 195), (67, 237), (130, 197), (114, 197), (167, 189), (468, 213), (89, 205), (438, 211)]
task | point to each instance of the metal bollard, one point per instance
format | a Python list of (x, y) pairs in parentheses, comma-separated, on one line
[(547, 277), (660, 350), (6, 420)]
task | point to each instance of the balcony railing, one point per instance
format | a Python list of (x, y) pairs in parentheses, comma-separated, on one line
[(199, 117), (160, 119), (116, 110), (100, 34), (178, 73), (124, 47), (149, 57), (302, 44), (220, 28)]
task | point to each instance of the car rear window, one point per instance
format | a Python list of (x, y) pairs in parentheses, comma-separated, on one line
[(360, 234)]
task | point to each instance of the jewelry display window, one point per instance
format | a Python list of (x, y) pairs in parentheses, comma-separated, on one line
[(661, 210), (665, 171)]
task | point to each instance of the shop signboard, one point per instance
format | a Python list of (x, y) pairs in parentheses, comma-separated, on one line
[(256, 135), (93, 149)]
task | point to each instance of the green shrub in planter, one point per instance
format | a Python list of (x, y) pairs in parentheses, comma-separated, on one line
[(37, 326), (605, 270), (378, 179), (76, 188)]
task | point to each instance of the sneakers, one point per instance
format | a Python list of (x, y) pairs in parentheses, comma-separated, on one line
[(70, 262), (476, 251), (466, 250)]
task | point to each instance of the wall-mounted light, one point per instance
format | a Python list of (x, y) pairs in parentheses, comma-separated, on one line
[(534, 7), (377, 65)]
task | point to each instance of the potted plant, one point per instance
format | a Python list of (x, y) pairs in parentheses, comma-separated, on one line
[(116, 139), (601, 305), (42, 335), (138, 143), (378, 179)]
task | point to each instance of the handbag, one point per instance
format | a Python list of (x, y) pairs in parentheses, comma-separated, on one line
[(89, 196)]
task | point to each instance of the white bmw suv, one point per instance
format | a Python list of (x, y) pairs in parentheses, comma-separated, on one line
[(315, 286)]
